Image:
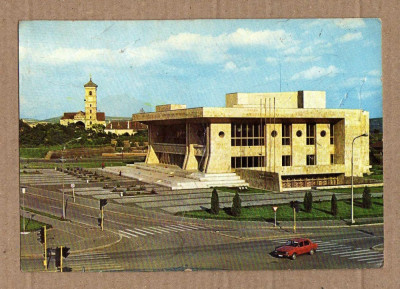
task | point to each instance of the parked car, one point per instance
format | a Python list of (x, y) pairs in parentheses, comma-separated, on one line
[(294, 247)]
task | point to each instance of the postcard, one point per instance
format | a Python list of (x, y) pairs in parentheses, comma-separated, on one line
[(189, 145)]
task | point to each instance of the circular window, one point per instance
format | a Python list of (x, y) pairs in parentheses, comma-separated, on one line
[(221, 134), (299, 133), (323, 133), (274, 133)]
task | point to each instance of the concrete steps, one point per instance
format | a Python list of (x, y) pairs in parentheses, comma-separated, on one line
[(175, 178)]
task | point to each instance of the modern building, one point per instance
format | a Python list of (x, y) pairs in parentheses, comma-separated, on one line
[(120, 127), (90, 116), (277, 140)]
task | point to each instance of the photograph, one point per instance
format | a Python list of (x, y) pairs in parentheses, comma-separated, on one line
[(200, 145)]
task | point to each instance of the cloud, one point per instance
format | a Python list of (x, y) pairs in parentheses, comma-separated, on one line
[(200, 48), (350, 37), (309, 58), (271, 60), (374, 73), (272, 77), (316, 72), (349, 23), (230, 66)]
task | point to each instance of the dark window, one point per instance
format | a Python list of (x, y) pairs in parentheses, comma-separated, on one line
[(274, 133), (310, 134), (323, 133), (247, 162), (310, 160), (243, 134), (332, 159), (299, 133), (306, 243), (90, 93), (331, 128), (286, 134), (286, 161)]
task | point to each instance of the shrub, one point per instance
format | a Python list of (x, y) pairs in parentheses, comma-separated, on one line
[(214, 202), (236, 205), (308, 199), (366, 198), (334, 206)]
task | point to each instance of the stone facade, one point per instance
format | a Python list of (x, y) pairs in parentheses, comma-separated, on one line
[(291, 134), (90, 116)]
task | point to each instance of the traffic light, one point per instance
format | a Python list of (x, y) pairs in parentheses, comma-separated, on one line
[(65, 252), (41, 235), (295, 205), (58, 257), (103, 202)]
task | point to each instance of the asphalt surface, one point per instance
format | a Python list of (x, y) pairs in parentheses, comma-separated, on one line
[(155, 241)]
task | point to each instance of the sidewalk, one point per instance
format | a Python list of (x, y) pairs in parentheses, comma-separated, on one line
[(78, 237)]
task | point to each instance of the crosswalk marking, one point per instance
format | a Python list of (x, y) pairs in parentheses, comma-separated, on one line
[(175, 227), (154, 230), (370, 258), (124, 234), (144, 231), (130, 234), (170, 229), (159, 229), (136, 232), (346, 251)]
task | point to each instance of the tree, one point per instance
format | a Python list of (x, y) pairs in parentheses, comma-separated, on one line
[(236, 205), (214, 202), (366, 198), (308, 199), (334, 207)]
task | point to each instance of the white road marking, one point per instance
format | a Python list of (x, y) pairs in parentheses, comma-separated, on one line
[(136, 232), (144, 231), (175, 227), (159, 229), (123, 234), (130, 234), (153, 230), (363, 255), (351, 252), (170, 229), (370, 258)]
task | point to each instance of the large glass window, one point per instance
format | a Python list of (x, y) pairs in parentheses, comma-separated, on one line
[(247, 134), (247, 162), (286, 134), (310, 134)]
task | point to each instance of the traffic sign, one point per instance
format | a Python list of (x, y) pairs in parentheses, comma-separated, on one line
[(275, 208), (72, 185)]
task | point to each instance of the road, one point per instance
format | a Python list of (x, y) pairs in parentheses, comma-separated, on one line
[(155, 241)]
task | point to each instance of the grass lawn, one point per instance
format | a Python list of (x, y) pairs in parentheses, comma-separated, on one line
[(356, 190), (321, 211), (31, 225)]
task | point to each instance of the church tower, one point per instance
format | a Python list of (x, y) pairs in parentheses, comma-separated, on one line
[(90, 103)]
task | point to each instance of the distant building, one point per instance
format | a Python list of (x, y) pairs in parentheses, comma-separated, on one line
[(120, 127), (290, 137), (90, 116)]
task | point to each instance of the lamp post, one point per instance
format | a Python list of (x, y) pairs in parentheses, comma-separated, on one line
[(23, 206), (352, 165), (62, 166)]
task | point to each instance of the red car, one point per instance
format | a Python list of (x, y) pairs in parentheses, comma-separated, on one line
[(295, 247)]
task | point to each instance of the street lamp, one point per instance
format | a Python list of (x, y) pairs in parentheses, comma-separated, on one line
[(23, 206), (352, 165), (62, 166)]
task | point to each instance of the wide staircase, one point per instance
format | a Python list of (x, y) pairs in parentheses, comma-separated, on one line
[(176, 178)]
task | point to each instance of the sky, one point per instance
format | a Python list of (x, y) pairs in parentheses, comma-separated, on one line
[(141, 64)]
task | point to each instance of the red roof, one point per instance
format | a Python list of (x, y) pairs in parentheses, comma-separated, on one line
[(101, 116), (68, 115)]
